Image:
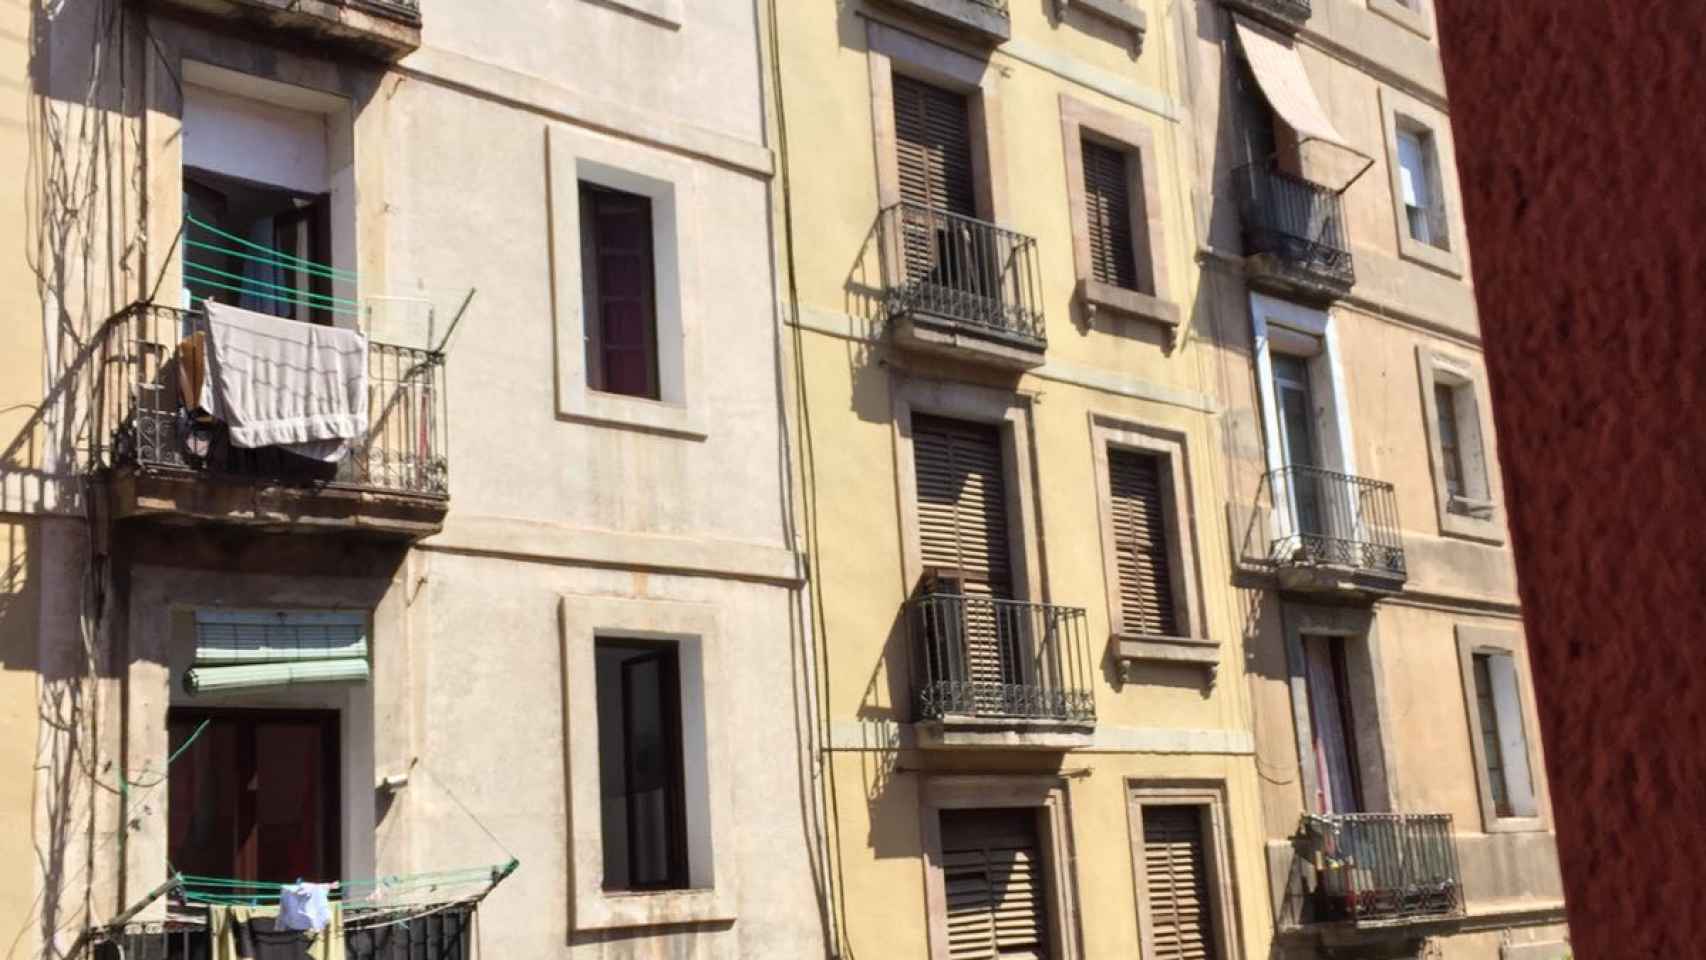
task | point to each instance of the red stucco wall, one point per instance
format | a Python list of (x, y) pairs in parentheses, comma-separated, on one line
[(1582, 147)]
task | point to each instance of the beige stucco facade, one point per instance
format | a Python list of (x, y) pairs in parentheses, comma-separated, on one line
[(453, 149)]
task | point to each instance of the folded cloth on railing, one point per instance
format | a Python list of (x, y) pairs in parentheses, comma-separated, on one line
[(283, 383), (253, 933)]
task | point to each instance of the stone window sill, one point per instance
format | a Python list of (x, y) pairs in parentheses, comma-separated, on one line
[(1127, 303), (1130, 650), (1120, 13)]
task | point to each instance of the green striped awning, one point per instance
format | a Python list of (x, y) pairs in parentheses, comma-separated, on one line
[(242, 649)]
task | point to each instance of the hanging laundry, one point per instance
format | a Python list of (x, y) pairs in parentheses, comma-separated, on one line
[(284, 383), (253, 933), (305, 906)]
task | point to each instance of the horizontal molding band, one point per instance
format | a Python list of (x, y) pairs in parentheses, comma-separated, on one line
[(543, 542), (881, 736), (533, 94)]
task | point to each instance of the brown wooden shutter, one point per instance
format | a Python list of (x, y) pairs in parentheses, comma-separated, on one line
[(962, 525), (618, 288), (933, 147), (1181, 921), (1141, 544), (1107, 210), (992, 873)]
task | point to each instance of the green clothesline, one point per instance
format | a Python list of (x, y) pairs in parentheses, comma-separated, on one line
[(224, 891), (278, 257), (202, 275)]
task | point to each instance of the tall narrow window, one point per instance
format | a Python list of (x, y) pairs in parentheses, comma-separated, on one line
[(996, 885), (1108, 215), (1141, 534), (933, 147), (1504, 746), (619, 290), (1450, 446), (1420, 186), (640, 766), (1181, 918), (1333, 722)]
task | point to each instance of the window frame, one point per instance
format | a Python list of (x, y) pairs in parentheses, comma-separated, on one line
[(1153, 299), (680, 878), (1467, 516), (1052, 797), (574, 157), (1209, 796), (1374, 739), (591, 289), (1193, 644), (1415, 16), (1473, 640), (1401, 111), (696, 630)]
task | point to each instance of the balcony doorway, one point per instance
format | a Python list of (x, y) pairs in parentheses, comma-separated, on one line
[(255, 795)]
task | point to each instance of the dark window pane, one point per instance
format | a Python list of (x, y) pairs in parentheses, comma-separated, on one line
[(618, 277), (640, 770)]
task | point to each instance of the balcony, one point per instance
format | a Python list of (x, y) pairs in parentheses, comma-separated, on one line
[(961, 287), (1294, 234), (394, 482), (440, 933), (384, 30), (1000, 673), (1335, 533), (1371, 872), (1288, 15), (985, 20)]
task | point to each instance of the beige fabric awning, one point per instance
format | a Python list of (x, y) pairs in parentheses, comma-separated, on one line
[(1279, 72)]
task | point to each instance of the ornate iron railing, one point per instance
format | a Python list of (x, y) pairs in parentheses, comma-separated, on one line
[(1370, 867), (1294, 220), (945, 268), (139, 416), (1000, 659), (433, 933), (1322, 518)]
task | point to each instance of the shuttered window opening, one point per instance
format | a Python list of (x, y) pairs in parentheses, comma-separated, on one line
[(1181, 921), (619, 290), (933, 147), (1141, 544), (1108, 213), (993, 876), (962, 525)]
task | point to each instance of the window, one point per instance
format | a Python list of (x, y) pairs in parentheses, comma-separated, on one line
[(1180, 914), (1140, 539), (255, 795), (640, 766), (997, 904), (1451, 453), (933, 147), (619, 292), (1418, 179), (1333, 727), (1498, 728), (1107, 202), (1452, 411)]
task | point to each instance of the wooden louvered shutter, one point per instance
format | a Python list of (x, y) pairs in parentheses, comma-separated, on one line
[(1107, 212), (992, 873), (933, 147), (1181, 921), (962, 525), (1141, 544)]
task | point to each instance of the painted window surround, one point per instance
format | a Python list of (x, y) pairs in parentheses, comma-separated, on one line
[(1210, 798), (1472, 640), (671, 183), (1137, 141), (1473, 519), (1398, 109), (1193, 644), (1289, 328), (1415, 16), (705, 751), (1375, 745), (1049, 794), (1011, 415), (889, 50)]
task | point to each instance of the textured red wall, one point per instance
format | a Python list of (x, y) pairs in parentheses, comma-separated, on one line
[(1582, 150)]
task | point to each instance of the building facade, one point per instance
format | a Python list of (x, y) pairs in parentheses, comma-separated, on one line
[(512, 651), (1403, 788)]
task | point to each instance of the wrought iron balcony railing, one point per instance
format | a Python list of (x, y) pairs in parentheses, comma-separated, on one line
[(1296, 221), (439, 933), (1378, 867), (957, 271), (140, 418), (1322, 518), (1000, 659)]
